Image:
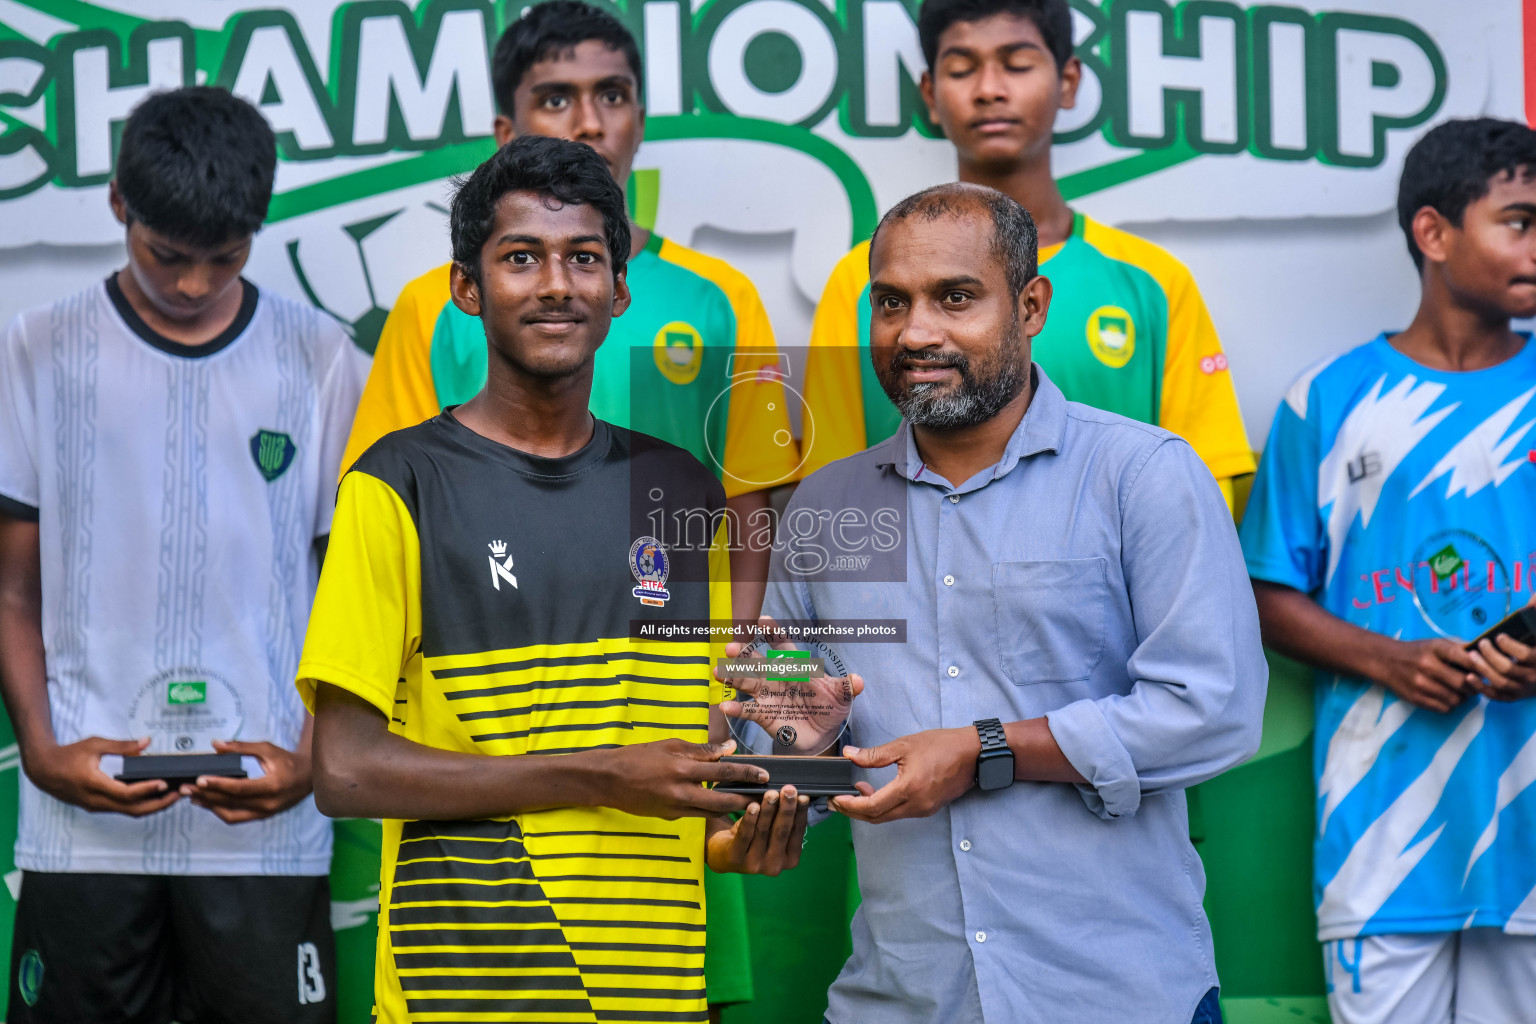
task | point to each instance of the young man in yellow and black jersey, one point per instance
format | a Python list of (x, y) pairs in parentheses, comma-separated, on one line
[(494, 585)]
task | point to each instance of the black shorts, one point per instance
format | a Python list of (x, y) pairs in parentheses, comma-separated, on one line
[(149, 949)]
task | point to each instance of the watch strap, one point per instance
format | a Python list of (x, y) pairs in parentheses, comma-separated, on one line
[(993, 738)]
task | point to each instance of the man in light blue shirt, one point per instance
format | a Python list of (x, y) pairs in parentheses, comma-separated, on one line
[(1081, 646)]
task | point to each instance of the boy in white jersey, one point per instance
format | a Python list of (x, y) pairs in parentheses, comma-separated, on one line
[(169, 439), (1390, 524)]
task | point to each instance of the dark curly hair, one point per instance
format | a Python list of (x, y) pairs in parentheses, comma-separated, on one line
[(558, 169), (1052, 17), (196, 165), (549, 29), (1454, 164)]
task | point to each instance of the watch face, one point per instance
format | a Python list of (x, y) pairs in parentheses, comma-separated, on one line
[(994, 772)]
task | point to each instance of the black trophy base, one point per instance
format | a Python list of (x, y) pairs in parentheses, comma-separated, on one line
[(811, 776), (180, 769)]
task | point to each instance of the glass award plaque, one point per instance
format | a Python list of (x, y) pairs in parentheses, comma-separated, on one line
[(1460, 585), (183, 711), (788, 705)]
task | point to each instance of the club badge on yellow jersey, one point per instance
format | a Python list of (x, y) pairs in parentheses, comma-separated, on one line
[(679, 352), (1112, 336)]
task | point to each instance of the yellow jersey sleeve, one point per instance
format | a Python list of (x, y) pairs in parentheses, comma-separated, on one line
[(1198, 401), (399, 392), (365, 625), (757, 419), (832, 410)]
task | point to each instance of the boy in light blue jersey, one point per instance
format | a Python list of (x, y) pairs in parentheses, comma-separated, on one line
[(1392, 521)]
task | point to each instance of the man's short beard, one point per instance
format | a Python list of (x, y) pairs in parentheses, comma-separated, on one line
[(979, 395)]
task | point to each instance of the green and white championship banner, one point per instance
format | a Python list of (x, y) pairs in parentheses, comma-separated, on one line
[(1260, 142)]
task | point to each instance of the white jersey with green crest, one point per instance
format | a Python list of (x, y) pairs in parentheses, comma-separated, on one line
[(179, 492)]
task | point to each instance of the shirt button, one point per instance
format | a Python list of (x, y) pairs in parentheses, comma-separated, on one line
[(965, 845), (949, 581), (981, 936), (953, 671), (954, 499)]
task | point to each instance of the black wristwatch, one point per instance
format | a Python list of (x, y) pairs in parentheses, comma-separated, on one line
[(994, 768)]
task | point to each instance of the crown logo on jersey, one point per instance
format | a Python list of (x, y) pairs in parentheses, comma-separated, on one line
[(501, 569)]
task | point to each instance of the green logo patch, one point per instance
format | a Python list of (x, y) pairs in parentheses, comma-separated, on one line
[(187, 693), (1445, 563), (791, 655), (29, 976), (273, 452)]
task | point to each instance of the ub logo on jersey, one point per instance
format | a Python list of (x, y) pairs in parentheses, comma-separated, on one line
[(273, 452), (501, 564), (679, 352), (1112, 336), (648, 562)]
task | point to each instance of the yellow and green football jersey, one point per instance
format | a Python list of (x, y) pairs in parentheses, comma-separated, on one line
[(1127, 332), (485, 600), (692, 361)]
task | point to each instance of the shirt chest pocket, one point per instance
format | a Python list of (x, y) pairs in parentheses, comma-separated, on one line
[(1050, 618)]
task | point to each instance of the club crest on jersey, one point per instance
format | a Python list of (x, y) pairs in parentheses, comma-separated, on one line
[(501, 564), (1111, 336), (273, 452), (648, 562), (679, 352)]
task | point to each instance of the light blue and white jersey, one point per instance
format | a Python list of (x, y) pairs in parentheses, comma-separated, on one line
[(179, 492), (1403, 499)]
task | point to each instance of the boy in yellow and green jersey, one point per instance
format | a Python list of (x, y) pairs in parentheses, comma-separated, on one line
[(1128, 330), (692, 361), (705, 379)]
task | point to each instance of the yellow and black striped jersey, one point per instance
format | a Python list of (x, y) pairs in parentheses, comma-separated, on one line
[(494, 602)]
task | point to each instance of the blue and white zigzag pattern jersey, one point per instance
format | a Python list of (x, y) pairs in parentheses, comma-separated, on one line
[(1403, 499)]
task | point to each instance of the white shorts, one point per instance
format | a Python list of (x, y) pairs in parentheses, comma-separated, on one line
[(1479, 976)]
